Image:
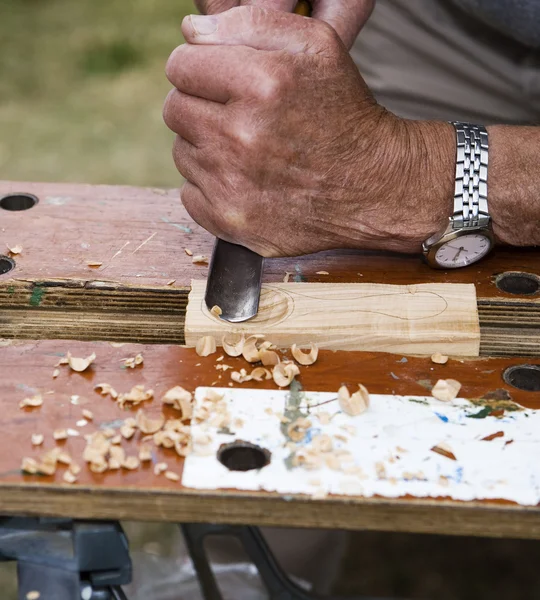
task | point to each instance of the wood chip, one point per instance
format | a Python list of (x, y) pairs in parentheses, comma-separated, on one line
[(69, 477), (33, 595), (233, 348), (100, 465), (250, 351), (127, 432), (444, 449), (181, 400), (188, 251), (446, 390), (205, 346), (145, 453), (14, 249), (200, 260), (148, 425), (137, 395), (80, 423), (260, 374), (305, 358), (105, 389), (172, 476), (74, 468), (323, 273), (131, 463), (64, 458), (353, 404), (287, 276), (55, 373), (160, 468), (60, 434), (298, 428), (170, 282), (78, 364), (240, 376), (216, 311), (93, 263), (37, 439), (87, 414), (439, 359), (213, 395), (133, 362), (269, 358), (284, 373), (29, 465), (33, 401), (324, 418)]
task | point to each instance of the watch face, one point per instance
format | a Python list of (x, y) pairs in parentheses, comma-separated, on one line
[(463, 251)]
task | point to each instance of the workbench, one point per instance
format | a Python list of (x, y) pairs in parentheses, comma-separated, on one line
[(102, 264)]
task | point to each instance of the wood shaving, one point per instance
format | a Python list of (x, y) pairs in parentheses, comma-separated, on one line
[(78, 364), (446, 390), (29, 465), (380, 469), (287, 276), (439, 359), (131, 463), (117, 439), (205, 346), (130, 422), (250, 351), (183, 445), (332, 462), (307, 459), (160, 468), (298, 428), (145, 453), (148, 425), (233, 348), (97, 449), (14, 249), (137, 395), (188, 251), (172, 476), (98, 466), (180, 399), (134, 361), (37, 439), (60, 434), (127, 432), (216, 311), (260, 374), (213, 396), (72, 432), (324, 418), (444, 449), (269, 358), (55, 373), (200, 260), (74, 468), (353, 404), (33, 595), (322, 443), (240, 376), (305, 358), (69, 477), (33, 401), (80, 423), (93, 263), (87, 414), (322, 273), (64, 458), (284, 373), (170, 282)]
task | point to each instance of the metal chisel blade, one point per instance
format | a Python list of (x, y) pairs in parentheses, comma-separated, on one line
[(234, 281)]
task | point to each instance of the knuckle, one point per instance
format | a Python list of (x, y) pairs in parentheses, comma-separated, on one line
[(327, 35), (176, 58)]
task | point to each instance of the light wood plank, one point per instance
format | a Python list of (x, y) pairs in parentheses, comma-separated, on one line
[(415, 319)]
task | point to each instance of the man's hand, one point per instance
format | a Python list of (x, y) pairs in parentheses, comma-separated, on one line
[(285, 150), (347, 17)]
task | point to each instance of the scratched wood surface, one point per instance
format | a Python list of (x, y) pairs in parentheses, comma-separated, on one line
[(139, 236), (26, 368)]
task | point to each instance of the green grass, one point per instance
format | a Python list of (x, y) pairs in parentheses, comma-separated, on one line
[(82, 87)]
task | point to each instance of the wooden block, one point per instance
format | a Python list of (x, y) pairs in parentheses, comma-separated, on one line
[(415, 319)]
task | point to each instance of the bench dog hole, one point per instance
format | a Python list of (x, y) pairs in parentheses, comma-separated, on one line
[(522, 284), (19, 201), (6, 264), (523, 377), (243, 456)]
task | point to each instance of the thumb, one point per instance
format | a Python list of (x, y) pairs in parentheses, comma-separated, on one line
[(284, 5), (260, 28), (347, 18)]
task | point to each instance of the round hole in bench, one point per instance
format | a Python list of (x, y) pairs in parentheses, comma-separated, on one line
[(6, 264), (515, 282), (523, 377), (18, 201), (243, 456)]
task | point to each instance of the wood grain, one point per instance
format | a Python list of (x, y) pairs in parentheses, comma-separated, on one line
[(52, 293), (26, 367), (417, 319)]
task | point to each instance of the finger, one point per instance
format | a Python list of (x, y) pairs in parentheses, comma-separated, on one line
[(347, 18), (200, 208), (284, 5), (260, 28), (213, 72), (211, 7), (186, 160), (190, 117)]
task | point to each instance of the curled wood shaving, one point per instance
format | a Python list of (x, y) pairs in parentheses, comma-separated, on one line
[(60, 434), (77, 364), (216, 311), (205, 346), (131, 463), (305, 358), (172, 476), (14, 249), (69, 477), (87, 414), (134, 361), (260, 374), (55, 373), (183, 446), (33, 401), (105, 388), (446, 390), (29, 465), (269, 358), (439, 359), (145, 453), (200, 260), (240, 376), (298, 428), (353, 404), (160, 468), (180, 399), (127, 431), (284, 373), (148, 425), (233, 348), (93, 263), (250, 351), (37, 439), (137, 395)]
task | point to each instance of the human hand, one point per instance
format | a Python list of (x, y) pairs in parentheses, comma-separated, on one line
[(283, 147), (347, 17)]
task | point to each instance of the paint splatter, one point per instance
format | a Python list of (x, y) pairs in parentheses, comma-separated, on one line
[(394, 376), (37, 295), (57, 200), (443, 418), (183, 228), (402, 360), (299, 277)]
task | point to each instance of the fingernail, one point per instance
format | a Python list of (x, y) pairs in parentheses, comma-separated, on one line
[(204, 25)]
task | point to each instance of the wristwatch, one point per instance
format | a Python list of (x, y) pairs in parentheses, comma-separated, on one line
[(468, 237)]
